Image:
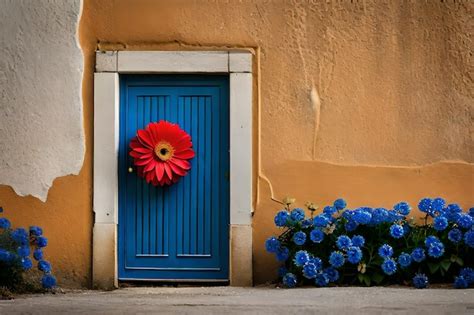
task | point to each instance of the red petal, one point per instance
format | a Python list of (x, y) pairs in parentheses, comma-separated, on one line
[(181, 163), (177, 170), (142, 150), (184, 154), (168, 170), (144, 137), (159, 170), (143, 162), (150, 166)]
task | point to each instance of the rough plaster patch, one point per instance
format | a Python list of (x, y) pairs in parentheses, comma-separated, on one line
[(41, 121)]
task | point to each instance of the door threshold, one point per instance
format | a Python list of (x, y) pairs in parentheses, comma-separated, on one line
[(130, 282)]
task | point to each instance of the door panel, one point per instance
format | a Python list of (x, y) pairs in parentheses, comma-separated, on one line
[(179, 231)]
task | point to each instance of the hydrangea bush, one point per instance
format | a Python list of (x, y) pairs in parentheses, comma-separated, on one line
[(374, 246), (18, 249)]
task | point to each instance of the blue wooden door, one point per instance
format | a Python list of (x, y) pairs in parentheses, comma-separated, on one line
[(178, 232)]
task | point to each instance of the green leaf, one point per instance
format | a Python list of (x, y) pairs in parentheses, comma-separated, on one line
[(459, 261), (377, 277), (445, 264), (433, 267), (360, 277), (367, 280)]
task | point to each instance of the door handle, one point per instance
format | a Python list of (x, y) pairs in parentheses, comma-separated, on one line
[(130, 169)]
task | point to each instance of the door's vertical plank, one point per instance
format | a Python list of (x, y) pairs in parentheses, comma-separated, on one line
[(214, 237), (146, 187), (160, 195), (201, 173), (138, 183), (152, 189), (166, 193), (207, 176), (194, 175), (180, 188), (187, 183)]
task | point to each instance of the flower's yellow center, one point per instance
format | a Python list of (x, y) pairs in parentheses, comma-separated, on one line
[(164, 151)]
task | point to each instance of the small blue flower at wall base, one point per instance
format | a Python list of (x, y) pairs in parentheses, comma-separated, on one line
[(354, 254), (301, 258), (320, 221), (289, 280), (48, 281), (306, 223), (425, 205), (436, 250), (471, 212), (351, 226), (465, 221), (38, 254), (460, 283), (41, 241), (358, 240), (329, 211), (455, 235), (282, 254), (389, 266), (20, 236), (418, 254), (404, 260), (362, 216), (397, 231), (44, 266), (299, 238), (316, 236), (281, 218), (6, 256), (272, 244), (468, 274), (23, 251), (297, 214), (431, 240), (332, 274), (26, 263), (309, 271), (343, 242), (385, 251), (469, 238), (336, 259), (340, 204), (321, 279), (402, 208), (440, 223), (438, 204), (4, 223), (36, 231), (379, 215), (420, 281), (317, 262)]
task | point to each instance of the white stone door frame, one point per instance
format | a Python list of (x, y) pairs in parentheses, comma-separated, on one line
[(109, 66)]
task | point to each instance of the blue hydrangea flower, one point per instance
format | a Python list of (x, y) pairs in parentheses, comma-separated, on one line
[(404, 260), (350, 226), (38, 254), (36, 231), (317, 262), (385, 251), (272, 244), (358, 240), (336, 259), (23, 251), (320, 221), (301, 258), (26, 263), (282, 271), (6, 256), (436, 250), (347, 214), (389, 266), (332, 274), (460, 283), (361, 216), (48, 281), (354, 254), (440, 223), (343, 242), (281, 218), (394, 216), (455, 235), (379, 215), (299, 238), (4, 223), (44, 266), (282, 253), (289, 280), (471, 212), (329, 210), (340, 204), (465, 221), (469, 238), (468, 274), (309, 270), (402, 207), (321, 279), (452, 212), (20, 236), (418, 254), (438, 204), (306, 223), (397, 231), (297, 214), (431, 240), (41, 241), (425, 205), (420, 281), (316, 236)]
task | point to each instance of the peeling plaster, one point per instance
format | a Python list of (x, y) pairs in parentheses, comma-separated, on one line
[(41, 119)]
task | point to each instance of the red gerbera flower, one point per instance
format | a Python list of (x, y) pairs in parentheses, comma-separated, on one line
[(161, 152)]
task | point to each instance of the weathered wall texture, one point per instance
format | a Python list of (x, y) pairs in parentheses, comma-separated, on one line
[(41, 120), (42, 130), (369, 100)]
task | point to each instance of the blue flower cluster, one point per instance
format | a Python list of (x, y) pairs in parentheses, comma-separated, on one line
[(341, 243), (17, 251)]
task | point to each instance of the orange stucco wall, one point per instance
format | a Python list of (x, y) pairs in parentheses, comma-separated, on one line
[(371, 101)]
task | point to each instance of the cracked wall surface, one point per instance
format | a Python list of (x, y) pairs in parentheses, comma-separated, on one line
[(367, 100), (41, 120)]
